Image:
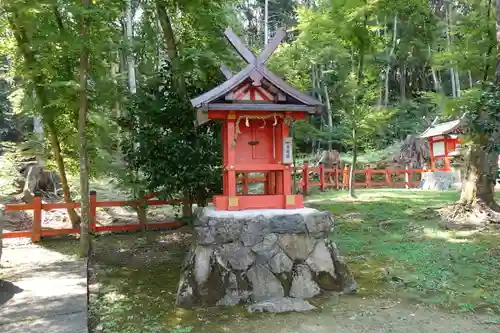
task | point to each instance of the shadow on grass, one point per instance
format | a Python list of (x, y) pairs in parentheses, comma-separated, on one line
[(395, 246), (138, 278)]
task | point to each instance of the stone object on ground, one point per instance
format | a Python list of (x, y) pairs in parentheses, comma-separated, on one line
[(278, 305), (438, 180), (243, 257)]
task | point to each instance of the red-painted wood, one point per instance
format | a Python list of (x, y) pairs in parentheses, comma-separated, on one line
[(93, 210), (37, 219), (223, 114), (16, 234), (258, 202)]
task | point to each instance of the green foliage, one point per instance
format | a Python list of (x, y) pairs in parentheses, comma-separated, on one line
[(337, 35), (162, 146), (50, 30)]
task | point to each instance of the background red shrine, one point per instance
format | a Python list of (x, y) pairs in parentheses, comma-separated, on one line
[(257, 108), (444, 142)]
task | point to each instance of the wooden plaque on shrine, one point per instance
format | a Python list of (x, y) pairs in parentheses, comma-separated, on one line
[(257, 108)]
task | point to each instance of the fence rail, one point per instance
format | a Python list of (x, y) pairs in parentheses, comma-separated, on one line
[(310, 177), (323, 178), (37, 206)]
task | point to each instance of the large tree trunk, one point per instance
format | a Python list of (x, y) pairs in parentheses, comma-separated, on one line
[(85, 238), (352, 175), (479, 185), (23, 44), (477, 206), (477, 203), (389, 59), (56, 149), (173, 56), (328, 108)]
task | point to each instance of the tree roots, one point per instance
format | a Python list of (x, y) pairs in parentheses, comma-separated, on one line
[(470, 215)]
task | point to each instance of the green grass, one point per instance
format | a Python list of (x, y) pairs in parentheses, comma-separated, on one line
[(397, 249), (393, 245)]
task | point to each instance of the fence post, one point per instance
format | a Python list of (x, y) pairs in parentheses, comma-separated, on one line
[(345, 178), (388, 176), (305, 177), (368, 176), (321, 177), (407, 177), (244, 183), (37, 218), (337, 171), (93, 210)]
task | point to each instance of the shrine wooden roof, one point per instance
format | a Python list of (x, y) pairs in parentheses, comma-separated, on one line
[(441, 128), (287, 98)]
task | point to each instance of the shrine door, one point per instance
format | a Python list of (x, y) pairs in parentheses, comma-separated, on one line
[(254, 145)]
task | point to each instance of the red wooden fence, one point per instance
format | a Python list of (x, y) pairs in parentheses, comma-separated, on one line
[(38, 207), (339, 179), (310, 177)]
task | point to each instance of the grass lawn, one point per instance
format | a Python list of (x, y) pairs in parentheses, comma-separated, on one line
[(395, 247), (390, 238)]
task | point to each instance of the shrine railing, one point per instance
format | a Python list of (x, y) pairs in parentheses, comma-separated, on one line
[(38, 207), (323, 178)]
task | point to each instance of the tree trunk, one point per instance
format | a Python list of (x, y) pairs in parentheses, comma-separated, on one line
[(56, 149), (352, 175), (38, 130), (85, 238), (477, 203), (402, 83), (130, 57), (173, 55), (171, 45), (389, 60), (38, 79), (187, 205), (497, 69), (435, 79), (328, 109), (479, 184), (142, 214)]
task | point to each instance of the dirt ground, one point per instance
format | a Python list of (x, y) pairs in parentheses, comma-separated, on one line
[(362, 315), (138, 273)]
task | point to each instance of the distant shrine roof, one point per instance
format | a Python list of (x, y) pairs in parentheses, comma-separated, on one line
[(279, 95), (441, 128)]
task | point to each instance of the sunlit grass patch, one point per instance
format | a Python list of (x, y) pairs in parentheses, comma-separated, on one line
[(396, 247)]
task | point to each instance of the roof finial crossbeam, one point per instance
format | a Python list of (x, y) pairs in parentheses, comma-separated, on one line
[(246, 54)]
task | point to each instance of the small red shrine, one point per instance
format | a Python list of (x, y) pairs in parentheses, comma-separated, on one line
[(257, 108), (444, 142)]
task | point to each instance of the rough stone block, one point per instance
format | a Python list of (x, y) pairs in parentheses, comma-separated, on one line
[(303, 285), (319, 223), (320, 260), (297, 246), (265, 285), (266, 249), (202, 266), (288, 224), (254, 230), (280, 263), (262, 256), (279, 305), (236, 255), (438, 180)]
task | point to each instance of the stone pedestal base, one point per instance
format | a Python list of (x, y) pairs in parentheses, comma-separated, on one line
[(261, 255), (438, 180)]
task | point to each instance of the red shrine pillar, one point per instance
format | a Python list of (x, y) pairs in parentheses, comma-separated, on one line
[(431, 153)]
